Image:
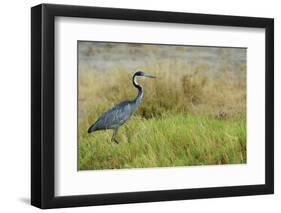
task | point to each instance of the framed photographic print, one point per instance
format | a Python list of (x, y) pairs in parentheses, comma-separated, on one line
[(139, 106)]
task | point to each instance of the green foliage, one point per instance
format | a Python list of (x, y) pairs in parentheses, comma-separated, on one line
[(169, 140)]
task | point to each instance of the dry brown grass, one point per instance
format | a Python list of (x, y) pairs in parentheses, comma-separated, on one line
[(175, 90)]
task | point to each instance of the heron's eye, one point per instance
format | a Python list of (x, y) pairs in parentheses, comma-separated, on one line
[(141, 73)]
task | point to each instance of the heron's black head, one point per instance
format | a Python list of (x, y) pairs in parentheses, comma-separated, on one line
[(143, 74), (140, 74)]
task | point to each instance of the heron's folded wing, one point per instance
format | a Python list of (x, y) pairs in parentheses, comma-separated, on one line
[(114, 117), (118, 115)]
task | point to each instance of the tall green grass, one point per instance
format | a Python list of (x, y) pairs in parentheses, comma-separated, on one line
[(170, 140)]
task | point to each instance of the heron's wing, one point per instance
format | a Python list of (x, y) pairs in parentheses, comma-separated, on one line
[(113, 118)]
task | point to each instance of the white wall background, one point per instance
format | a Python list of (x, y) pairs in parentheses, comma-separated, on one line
[(15, 105)]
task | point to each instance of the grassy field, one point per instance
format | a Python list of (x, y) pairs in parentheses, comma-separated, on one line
[(179, 140), (193, 113)]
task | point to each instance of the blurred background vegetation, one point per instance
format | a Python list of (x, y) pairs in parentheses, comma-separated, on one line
[(203, 87)]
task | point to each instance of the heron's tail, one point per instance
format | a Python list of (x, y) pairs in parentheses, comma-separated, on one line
[(91, 128), (94, 127)]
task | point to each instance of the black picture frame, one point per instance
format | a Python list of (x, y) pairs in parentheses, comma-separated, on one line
[(43, 102)]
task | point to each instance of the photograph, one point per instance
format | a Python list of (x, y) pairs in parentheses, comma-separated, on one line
[(160, 105), (135, 105)]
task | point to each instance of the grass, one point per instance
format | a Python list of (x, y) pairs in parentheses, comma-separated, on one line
[(176, 89), (193, 113), (172, 140)]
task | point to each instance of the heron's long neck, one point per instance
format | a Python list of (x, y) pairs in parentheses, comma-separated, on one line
[(140, 91)]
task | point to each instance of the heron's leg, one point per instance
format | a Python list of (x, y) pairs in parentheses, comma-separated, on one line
[(113, 136)]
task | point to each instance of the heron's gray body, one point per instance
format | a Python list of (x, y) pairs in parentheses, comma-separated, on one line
[(120, 113), (117, 115)]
